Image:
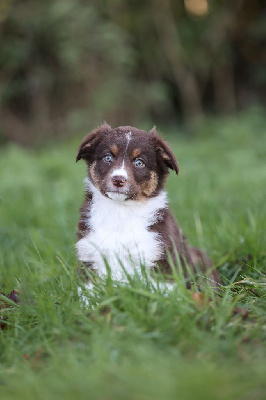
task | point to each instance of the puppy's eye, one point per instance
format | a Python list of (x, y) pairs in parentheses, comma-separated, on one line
[(138, 162), (108, 158)]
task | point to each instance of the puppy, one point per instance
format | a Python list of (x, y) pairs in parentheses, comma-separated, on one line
[(125, 219)]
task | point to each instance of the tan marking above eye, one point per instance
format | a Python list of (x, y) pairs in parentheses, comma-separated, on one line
[(136, 153), (114, 149)]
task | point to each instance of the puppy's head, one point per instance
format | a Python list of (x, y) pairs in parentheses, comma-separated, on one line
[(126, 163)]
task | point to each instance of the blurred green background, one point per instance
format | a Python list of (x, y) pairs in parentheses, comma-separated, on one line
[(197, 70), (67, 65)]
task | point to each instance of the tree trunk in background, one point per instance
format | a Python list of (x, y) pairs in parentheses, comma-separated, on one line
[(40, 109), (171, 47), (224, 88)]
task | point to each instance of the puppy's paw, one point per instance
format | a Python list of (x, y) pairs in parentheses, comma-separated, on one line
[(83, 293)]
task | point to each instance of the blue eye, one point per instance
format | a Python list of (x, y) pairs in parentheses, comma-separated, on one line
[(108, 158), (138, 162)]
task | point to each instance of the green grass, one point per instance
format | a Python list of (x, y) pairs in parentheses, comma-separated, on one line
[(133, 342)]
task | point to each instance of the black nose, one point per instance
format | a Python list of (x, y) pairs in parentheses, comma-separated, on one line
[(119, 181)]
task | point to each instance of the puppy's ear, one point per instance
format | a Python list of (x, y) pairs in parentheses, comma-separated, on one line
[(85, 148), (164, 151)]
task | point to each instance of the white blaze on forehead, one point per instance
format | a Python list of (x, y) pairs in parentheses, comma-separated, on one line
[(128, 136)]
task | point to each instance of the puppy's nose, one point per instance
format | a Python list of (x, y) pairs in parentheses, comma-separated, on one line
[(119, 180)]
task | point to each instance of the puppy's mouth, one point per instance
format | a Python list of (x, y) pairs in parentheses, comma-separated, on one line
[(118, 195)]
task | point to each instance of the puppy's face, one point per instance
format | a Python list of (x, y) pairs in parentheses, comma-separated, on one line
[(126, 163)]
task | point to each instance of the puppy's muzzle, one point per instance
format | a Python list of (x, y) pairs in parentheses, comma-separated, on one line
[(119, 181)]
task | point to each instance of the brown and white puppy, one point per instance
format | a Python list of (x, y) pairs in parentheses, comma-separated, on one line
[(125, 218)]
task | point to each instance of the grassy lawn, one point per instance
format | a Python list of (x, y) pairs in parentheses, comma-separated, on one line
[(133, 342)]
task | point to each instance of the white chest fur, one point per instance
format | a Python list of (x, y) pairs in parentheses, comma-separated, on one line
[(119, 233)]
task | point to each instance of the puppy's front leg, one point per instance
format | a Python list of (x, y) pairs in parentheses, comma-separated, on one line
[(89, 286)]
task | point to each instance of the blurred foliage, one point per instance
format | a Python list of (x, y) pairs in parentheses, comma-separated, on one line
[(68, 65)]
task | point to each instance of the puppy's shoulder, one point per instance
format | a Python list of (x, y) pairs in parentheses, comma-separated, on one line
[(166, 224), (83, 226)]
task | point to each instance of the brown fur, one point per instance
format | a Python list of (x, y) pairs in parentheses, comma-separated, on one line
[(83, 228)]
